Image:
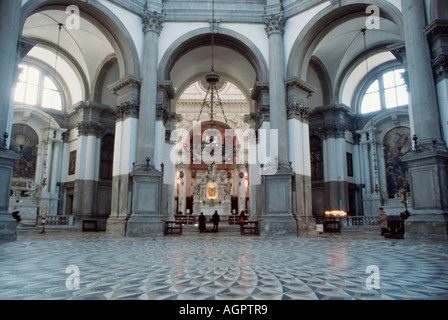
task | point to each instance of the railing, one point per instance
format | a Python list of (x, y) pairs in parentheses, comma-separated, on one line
[(57, 220), (363, 221)]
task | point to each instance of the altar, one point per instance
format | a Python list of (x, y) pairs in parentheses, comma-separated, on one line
[(213, 193)]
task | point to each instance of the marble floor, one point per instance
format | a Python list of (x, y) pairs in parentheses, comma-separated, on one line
[(215, 267)]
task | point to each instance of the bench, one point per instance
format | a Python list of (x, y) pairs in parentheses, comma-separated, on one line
[(172, 227), (250, 227), (89, 225), (185, 219)]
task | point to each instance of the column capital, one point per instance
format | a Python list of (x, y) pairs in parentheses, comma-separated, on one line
[(275, 23), (295, 110), (126, 109), (152, 21), (90, 128)]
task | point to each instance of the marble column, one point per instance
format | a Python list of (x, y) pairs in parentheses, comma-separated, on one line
[(147, 181), (298, 114), (275, 25), (152, 26), (9, 32), (278, 217), (127, 91), (428, 164)]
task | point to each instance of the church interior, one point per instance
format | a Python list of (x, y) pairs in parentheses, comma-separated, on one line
[(346, 100)]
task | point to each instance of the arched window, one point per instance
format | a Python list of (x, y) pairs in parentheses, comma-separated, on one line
[(387, 90), (36, 88)]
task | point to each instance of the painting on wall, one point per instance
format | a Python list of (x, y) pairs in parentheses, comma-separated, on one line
[(397, 143), (72, 163), (25, 167), (24, 142)]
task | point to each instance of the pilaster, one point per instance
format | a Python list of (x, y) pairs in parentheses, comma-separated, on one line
[(428, 162)]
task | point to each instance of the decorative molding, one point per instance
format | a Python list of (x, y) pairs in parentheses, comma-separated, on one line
[(275, 23), (262, 115), (153, 21), (90, 128), (127, 81), (333, 130), (295, 110), (162, 114), (127, 109), (440, 67), (301, 86)]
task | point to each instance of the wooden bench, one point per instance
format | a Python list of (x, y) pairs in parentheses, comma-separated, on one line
[(251, 227), (89, 225), (233, 219), (172, 227), (185, 219)]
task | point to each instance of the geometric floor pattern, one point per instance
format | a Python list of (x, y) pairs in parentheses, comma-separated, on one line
[(210, 267)]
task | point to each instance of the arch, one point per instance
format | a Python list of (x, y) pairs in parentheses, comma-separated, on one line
[(106, 21), (438, 10), (324, 79), (225, 37), (329, 18), (368, 80), (100, 78), (224, 77)]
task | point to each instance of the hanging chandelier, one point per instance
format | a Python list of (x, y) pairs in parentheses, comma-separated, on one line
[(212, 78)]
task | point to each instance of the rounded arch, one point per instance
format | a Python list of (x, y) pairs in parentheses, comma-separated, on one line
[(225, 37), (224, 77), (368, 80), (111, 26), (320, 25), (438, 10), (100, 78)]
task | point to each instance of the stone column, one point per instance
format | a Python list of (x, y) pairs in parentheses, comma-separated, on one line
[(259, 120), (275, 25), (127, 91), (428, 164), (299, 153), (9, 32), (277, 192), (152, 26), (146, 213)]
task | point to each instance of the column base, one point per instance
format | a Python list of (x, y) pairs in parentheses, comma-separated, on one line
[(278, 226), (116, 226), (146, 218), (8, 229), (426, 226), (144, 226), (278, 219), (8, 225), (306, 226)]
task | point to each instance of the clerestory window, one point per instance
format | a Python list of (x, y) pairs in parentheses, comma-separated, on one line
[(388, 90), (36, 88)]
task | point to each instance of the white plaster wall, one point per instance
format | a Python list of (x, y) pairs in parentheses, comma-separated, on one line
[(174, 30), (254, 32), (129, 145), (299, 147), (117, 147), (132, 22), (295, 25)]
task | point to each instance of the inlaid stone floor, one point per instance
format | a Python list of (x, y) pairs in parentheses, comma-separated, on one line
[(211, 266)]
